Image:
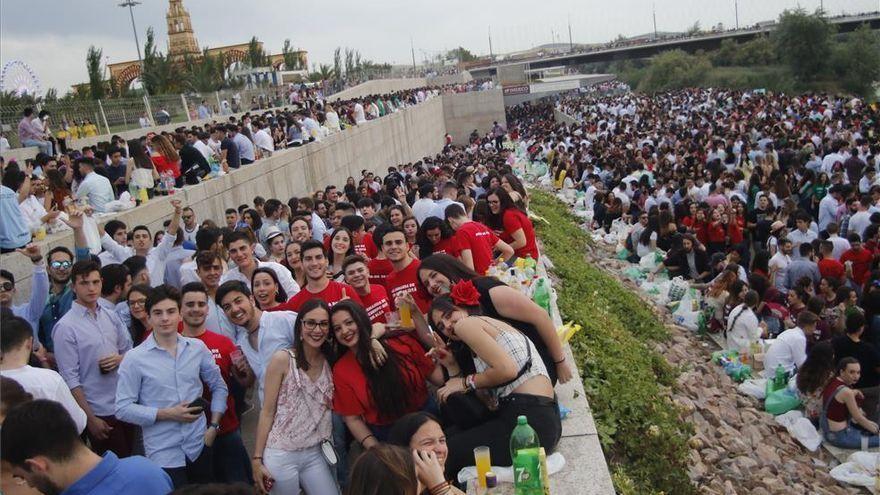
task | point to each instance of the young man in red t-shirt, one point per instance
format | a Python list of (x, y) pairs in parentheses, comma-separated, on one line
[(363, 240), (318, 285), (475, 240), (230, 456), (857, 260), (374, 297), (828, 266), (404, 279)]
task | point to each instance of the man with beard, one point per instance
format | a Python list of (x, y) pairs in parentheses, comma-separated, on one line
[(260, 333), (318, 285), (40, 441), (231, 463)]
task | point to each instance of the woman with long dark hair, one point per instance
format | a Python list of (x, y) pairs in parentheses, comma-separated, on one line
[(371, 398), (341, 247), (512, 224), (295, 418), (434, 237), (140, 169), (422, 433), (439, 272), (252, 218), (267, 289), (506, 372), (137, 300)]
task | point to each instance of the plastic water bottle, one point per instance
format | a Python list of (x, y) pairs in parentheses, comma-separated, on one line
[(525, 450)]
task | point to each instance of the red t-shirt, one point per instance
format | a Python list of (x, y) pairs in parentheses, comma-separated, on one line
[(861, 261), (734, 231), (448, 246), (513, 220), (376, 303), (163, 165), (351, 395), (379, 270), (331, 295), (715, 232), (831, 268), (481, 241), (222, 348), (367, 247), (407, 281)]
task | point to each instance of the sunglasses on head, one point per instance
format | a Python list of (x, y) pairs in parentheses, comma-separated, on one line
[(7, 286), (60, 264)]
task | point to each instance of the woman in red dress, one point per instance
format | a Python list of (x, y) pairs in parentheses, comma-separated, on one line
[(165, 158)]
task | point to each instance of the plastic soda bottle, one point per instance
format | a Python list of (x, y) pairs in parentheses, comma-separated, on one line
[(545, 473), (541, 294), (525, 450), (779, 378)]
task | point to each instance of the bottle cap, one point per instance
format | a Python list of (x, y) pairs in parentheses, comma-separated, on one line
[(521, 420), (491, 480)]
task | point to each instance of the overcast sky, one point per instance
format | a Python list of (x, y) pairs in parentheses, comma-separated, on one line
[(52, 36)]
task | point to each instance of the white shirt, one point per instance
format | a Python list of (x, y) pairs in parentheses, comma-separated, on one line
[(422, 209), (827, 211), (797, 238), (156, 256), (97, 190), (841, 246), (742, 328), (33, 211), (318, 228), (47, 384), (276, 333), (203, 148), (780, 261), (289, 284), (263, 140), (789, 350), (440, 205), (859, 222), (190, 235), (359, 115)]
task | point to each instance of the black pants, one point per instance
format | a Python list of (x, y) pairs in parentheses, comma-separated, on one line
[(198, 471), (543, 416), (245, 161)]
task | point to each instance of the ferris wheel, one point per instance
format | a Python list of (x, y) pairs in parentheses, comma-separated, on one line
[(18, 78)]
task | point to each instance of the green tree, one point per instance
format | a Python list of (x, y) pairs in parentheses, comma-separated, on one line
[(349, 62), (674, 69), (291, 59), (803, 43), (726, 53), (156, 76), (758, 51), (51, 96), (857, 61), (93, 66), (337, 61), (205, 74), (460, 54), (695, 29), (322, 72), (256, 56)]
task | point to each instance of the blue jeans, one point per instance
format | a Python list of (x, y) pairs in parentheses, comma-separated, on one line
[(851, 438), (231, 461), (340, 442), (45, 146)]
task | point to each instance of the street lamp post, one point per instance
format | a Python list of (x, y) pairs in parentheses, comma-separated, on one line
[(131, 4), (736, 12)]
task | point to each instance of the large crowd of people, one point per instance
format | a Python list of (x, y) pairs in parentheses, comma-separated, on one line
[(769, 204), (359, 320)]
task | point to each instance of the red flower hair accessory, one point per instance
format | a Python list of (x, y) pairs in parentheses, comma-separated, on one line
[(465, 294)]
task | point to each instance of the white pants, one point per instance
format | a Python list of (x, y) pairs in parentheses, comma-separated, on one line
[(306, 469)]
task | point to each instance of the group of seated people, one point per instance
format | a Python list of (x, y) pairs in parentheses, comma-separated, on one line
[(356, 320), (768, 204)]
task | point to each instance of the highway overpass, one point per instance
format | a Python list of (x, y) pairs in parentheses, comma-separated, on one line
[(708, 41)]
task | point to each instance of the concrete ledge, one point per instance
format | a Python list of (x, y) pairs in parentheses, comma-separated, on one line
[(20, 154)]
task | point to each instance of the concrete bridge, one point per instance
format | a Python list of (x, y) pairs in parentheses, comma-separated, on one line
[(707, 41)]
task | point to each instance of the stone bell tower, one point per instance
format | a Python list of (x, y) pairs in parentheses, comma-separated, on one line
[(181, 39)]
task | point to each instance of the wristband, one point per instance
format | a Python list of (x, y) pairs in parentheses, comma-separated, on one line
[(257, 458), (439, 489), (365, 439), (216, 426), (560, 361)]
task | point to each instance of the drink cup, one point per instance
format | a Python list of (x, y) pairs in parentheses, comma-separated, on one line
[(484, 464), (406, 320)]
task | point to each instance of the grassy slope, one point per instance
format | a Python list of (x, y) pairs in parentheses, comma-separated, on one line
[(625, 381)]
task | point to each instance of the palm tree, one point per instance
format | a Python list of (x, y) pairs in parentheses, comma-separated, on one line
[(93, 65)]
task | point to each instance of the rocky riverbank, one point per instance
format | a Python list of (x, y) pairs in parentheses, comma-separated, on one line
[(737, 448)]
